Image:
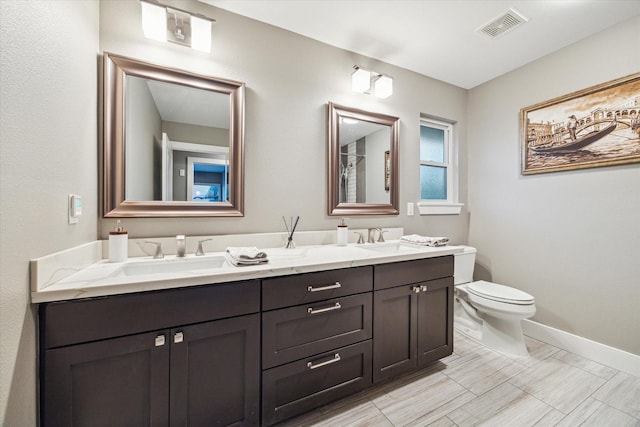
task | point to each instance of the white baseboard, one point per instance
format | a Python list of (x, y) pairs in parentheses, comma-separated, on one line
[(592, 350)]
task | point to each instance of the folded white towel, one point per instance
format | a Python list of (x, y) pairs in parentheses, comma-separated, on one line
[(245, 256), (418, 240)]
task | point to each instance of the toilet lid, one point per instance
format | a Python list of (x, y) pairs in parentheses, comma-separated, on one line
[(500, 293)]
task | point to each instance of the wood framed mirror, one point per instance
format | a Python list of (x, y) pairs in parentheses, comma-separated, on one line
[(363, 162), (173, 142)]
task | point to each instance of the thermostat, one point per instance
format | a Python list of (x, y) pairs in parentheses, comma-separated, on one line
[(75, 208)]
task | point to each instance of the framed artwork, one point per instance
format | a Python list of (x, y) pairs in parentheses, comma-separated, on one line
[(387, 170), (597, 126)]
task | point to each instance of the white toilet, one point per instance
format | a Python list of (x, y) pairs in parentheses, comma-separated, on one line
[(489, 312)]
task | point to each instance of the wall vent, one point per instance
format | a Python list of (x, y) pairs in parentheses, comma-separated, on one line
[(506, 22)]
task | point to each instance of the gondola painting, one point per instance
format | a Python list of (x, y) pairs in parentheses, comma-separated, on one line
[(597, 126)]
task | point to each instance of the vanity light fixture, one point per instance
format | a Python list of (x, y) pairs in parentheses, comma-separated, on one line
[(360, 80), (383, 86), (371, 82), (164, 23)]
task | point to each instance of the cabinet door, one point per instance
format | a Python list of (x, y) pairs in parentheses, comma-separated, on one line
[(116, 382), (435, 320), (215, 373), (394, 331)]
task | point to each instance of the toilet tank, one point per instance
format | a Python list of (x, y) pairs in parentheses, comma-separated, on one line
[(463, 264)]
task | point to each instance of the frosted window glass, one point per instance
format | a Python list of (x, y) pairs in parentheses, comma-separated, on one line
[(432, 144), (433, 183)]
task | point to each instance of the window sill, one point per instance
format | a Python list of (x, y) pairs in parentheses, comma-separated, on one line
[(428, 208)]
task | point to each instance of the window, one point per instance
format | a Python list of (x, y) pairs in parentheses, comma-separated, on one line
[(438, 175)]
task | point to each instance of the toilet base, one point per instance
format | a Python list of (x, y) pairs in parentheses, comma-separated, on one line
[(504, 336)]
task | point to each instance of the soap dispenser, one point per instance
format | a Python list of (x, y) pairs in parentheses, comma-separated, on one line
[(343, 233), (118, 244)]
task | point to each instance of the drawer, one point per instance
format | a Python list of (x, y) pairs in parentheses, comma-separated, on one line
[(309, 287), (77, 321), (292, 333), (407, 272), (297, 387)]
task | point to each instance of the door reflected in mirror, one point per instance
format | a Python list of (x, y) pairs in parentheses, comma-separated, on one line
[(173, 142), (363, 149)]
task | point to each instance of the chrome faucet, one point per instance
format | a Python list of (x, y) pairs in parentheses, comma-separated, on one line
[(159, 254), (180, 246), (372, 235), (200, 251)]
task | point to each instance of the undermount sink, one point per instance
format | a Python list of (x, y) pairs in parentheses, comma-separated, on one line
[(173, 265), (385, 248)]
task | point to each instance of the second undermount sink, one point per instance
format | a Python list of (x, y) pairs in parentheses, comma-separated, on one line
[(385, 248), (168, 266)]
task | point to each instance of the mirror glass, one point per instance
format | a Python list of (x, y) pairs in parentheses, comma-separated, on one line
[(363, 157), (173, 142)]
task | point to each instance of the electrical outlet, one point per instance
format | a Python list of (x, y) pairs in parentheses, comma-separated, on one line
[(410, 209)]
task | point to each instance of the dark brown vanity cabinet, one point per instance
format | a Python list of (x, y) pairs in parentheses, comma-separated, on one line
[(243, 353), (413, 315), (179, 357), (316, 340)]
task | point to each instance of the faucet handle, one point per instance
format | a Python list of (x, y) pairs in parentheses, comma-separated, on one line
[(159, 253), (380, 233), (200, 251), (360, 237)]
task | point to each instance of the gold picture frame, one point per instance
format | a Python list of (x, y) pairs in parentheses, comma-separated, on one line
[(593, 127)]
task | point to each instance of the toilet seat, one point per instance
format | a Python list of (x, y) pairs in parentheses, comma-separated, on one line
[(499, 293)]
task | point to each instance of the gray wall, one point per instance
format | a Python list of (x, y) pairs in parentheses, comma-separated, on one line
[(48, 131), (146, 131), (571, 239)]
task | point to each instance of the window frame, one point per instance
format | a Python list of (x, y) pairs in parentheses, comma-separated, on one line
[(450, 205)]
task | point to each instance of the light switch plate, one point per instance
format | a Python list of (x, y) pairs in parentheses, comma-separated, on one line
[(410, 209)]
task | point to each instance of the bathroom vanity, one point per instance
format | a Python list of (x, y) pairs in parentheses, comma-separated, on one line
[(275, 343)]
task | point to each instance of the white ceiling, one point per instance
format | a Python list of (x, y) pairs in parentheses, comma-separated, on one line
[(183, 104), (439, 38)]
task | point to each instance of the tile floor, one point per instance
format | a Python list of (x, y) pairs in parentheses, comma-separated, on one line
[(477, 386)]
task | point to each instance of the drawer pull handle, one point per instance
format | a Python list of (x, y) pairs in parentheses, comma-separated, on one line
[(336, 358), (323, 288), (312, 310)]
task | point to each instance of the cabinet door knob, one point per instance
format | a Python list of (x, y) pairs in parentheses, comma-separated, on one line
[(336, 285), (424, 288), (312, 310), (336, 358), (159, 340), (416, 289), (178, 337)]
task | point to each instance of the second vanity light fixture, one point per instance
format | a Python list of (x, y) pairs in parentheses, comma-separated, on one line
[(165, 23), (365, 81)]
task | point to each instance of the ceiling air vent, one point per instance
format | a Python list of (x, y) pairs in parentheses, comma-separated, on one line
[(503, 23)]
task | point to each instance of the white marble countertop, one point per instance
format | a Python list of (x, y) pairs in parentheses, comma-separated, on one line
[(142, 274)]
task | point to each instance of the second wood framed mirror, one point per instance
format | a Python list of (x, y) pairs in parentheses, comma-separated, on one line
[(363, 162)]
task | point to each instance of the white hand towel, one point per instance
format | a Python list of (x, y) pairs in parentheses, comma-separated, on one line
[(245, 256), (418, 240)]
